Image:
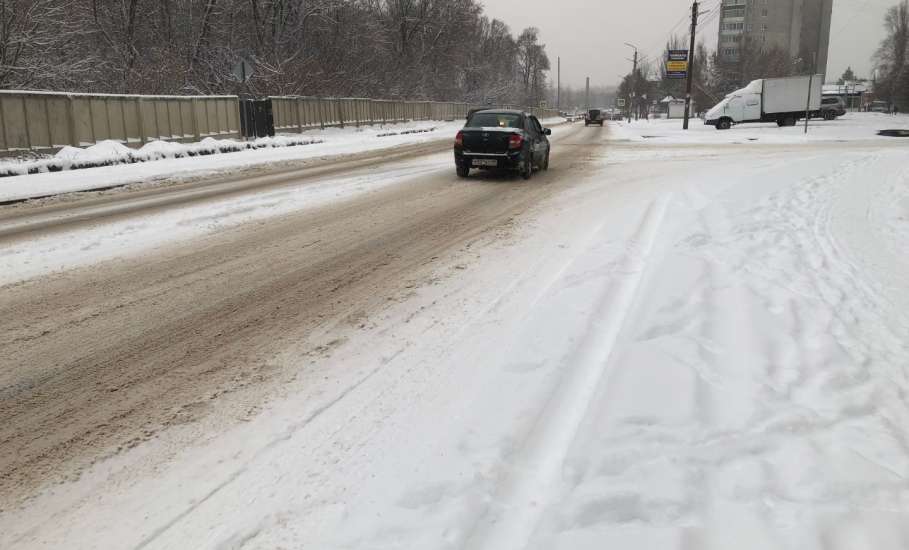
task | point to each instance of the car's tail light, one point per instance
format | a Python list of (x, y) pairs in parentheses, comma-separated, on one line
[(459, 139), (515, 141)]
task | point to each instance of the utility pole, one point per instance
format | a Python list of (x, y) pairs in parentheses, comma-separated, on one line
[(694, 28), (587, 96), (634, 83), (559, 87), (634, 86)]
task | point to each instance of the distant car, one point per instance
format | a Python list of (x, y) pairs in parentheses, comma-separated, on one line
[(502, 140), (880, 107), (594, 116), (831, 108)]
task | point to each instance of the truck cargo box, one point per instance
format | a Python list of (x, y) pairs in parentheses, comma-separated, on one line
[(787, 95)]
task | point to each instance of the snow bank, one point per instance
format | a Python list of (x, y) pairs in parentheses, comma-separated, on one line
[(851, 127), (107, 153), (197, 162)]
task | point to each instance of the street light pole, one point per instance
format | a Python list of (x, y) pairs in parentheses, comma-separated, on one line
[(587, 95), (559, 86)]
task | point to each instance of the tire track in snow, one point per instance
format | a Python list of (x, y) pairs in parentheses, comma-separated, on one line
[(536, 471)]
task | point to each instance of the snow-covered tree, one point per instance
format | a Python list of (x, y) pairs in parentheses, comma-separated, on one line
[(848, 76), (419, 49)]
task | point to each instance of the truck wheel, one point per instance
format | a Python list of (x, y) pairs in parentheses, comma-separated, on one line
[(724, 124), (790, 121), (463, 170)]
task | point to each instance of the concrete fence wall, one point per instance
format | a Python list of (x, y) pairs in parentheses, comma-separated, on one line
[(298, 114), (48, 121)]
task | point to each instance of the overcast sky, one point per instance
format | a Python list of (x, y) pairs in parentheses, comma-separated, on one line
[(589, 34)]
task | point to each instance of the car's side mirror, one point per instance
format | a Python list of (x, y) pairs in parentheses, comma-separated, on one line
[(547, 131)]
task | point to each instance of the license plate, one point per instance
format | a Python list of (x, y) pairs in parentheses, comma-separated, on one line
[(485, 162)]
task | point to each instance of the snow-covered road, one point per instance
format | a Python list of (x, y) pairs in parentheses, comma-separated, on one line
[(672, 345)]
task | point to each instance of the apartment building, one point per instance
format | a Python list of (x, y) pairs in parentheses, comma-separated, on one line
[(800, 27)]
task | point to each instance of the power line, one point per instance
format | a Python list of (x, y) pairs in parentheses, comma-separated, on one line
[(710, 14), (656, 51)]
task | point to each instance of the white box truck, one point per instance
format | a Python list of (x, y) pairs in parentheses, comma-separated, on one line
[(780, 100)]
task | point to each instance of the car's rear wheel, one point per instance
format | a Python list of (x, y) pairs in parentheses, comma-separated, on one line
[(829, 115), (463, 169), (546, 161), (527, 169)]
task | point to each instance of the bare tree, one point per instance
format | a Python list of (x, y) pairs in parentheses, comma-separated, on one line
[(532, 64), (891, 57), (35, 41), (419, 49)]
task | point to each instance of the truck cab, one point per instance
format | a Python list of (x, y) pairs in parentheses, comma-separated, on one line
[(740, 106)]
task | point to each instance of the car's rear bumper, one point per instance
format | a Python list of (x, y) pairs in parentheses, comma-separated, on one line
[(503, 161)]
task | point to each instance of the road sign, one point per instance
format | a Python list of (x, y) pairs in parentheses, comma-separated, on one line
[(677, 69), (243, 70), (620, 102), (677, 55)]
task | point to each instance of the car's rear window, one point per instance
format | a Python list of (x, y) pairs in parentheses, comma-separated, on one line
[(594, 112), (491, 120)]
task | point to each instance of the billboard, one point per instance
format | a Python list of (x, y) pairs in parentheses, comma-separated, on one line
[(677, 64)]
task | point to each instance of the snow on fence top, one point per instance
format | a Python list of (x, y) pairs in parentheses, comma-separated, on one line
[(122, 96)]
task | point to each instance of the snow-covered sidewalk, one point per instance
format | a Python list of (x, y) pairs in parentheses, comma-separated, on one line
[(165, 161), (162, 164)]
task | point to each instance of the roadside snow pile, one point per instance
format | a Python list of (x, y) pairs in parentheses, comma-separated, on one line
[(406, 132), (107, 153), (850, 127)]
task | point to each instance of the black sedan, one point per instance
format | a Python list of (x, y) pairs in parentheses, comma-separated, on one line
[(502, 140)]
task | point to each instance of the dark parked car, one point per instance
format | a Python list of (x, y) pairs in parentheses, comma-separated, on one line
[(502, 140), (594, 116), (831, 107)]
